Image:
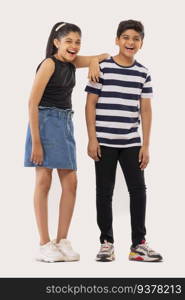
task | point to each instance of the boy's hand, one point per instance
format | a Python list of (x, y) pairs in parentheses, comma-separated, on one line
[(143, 157), (37, 155), (94, 150), (94, 70)]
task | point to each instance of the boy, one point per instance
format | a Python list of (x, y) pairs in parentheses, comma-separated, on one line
[(113, 109)]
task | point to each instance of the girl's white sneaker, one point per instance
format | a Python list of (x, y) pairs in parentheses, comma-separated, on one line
[(66, 249), (50, 253)]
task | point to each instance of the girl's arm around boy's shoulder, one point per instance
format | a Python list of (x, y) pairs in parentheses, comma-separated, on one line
[(42, 77), (85, 61), (93, 63)]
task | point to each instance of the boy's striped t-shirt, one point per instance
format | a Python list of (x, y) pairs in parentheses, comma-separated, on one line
[(118, 107)]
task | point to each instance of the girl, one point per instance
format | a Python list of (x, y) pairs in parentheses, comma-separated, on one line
[(50, 142)]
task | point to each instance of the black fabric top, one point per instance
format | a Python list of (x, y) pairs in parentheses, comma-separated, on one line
[(60, 86)]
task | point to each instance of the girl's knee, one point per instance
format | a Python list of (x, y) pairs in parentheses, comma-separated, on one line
[(70, 184), (43, 179)]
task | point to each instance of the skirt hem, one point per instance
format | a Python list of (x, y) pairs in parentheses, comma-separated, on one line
[(49, 167)]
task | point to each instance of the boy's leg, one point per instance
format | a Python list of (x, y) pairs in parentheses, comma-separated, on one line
[(105, 180), (134, 176)]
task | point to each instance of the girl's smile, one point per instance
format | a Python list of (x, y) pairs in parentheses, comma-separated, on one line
[(68, 46)]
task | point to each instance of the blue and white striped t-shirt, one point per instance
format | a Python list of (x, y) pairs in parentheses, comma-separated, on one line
[(118, 107)]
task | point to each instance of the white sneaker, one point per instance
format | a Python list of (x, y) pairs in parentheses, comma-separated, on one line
[(66, 249), (50, 253)]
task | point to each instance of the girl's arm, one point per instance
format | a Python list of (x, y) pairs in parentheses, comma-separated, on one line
[(41, 79), (84, 61), (90, 112), (93, 63)]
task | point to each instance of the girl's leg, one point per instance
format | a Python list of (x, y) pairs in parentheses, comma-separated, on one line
[(42, 186), (68, 180)]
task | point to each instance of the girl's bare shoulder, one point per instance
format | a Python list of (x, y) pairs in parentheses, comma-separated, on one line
[(48, 64)]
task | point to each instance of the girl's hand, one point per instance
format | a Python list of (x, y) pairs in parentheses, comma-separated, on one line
[(94, 150), (143, 157), (37, 155), (94, 70)]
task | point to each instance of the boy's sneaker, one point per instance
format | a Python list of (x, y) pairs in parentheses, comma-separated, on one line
[(49, 253), (64, 246), (142, 252), (106, 252)]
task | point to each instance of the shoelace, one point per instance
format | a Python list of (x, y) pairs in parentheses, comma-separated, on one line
[(53, 246), (68, 245), (147, 248), (105, 246)]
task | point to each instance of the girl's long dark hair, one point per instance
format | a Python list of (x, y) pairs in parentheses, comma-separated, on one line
[(57, 33)]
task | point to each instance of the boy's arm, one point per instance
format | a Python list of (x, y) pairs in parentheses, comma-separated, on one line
[(90, 112), (146, 119)]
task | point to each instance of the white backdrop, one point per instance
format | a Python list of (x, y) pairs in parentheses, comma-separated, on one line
[(25, 27)]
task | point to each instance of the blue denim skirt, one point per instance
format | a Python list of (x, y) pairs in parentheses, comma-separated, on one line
[(57, 138)]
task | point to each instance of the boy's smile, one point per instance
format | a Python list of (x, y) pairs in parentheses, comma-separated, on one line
[(129, 43)]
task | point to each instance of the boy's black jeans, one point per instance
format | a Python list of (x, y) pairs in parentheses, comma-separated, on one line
[(105, 180)]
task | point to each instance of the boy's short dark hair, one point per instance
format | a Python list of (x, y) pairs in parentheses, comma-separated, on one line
[(130, 24)]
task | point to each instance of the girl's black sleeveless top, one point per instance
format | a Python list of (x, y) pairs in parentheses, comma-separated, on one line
[(60, 86)]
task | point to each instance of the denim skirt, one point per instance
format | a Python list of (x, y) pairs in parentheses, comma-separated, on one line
[(57, 138)]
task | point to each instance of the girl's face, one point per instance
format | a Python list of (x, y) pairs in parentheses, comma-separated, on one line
[(68, 46)]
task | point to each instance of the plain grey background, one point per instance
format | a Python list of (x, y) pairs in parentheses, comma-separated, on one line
[(25, 27)]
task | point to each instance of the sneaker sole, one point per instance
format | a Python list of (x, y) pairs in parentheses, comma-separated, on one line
[(144, 259), (106, 259), (46, 260), (49, 260), (64, 259), (67, 259)]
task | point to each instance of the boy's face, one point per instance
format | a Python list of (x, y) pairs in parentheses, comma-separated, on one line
[(129, 42)]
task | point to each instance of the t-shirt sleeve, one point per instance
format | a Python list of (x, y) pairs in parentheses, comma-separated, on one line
[(95, 87), (147, 90)]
